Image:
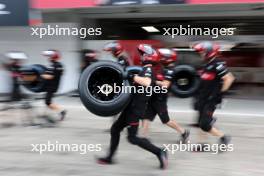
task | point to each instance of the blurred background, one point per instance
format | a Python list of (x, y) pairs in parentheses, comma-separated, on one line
[(124, 21)]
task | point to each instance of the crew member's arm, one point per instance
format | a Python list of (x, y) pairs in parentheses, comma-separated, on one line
[(225, 75), (228, 79), (166, 82), (49, 74), (144, 80)]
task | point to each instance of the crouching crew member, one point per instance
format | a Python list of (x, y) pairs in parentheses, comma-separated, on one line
[(88, 58), (14, 65), (215, 80), (157, 104), (135, 110), (53, 77)]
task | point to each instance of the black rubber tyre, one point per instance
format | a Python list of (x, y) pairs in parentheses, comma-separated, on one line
[(185, 82), (103, 74), (37, 70)]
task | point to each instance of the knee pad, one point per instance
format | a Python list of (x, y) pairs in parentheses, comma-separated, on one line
[(47, 103), (164, 118), (163, 114), (206, 119), (132, 139), (205, 125)]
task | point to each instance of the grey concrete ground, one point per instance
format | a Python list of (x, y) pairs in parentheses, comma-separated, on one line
[(243, 119)]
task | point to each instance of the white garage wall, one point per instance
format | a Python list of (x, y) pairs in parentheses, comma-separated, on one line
[(20, 39)]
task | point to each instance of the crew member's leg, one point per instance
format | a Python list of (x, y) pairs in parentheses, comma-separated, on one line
[(141, 142), (133, 122), (145, 127), (162, 110), (115, 131), (197, 106), (48, 99), (53, 106), (16, 93), (207, 122), (149, 116)]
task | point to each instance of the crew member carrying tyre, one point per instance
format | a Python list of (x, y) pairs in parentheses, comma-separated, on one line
[(157, 104), (117, 51), (135, 110), (215, 80), (52, 77)]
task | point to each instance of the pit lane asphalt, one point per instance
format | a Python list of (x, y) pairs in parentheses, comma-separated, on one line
[(242, 119)]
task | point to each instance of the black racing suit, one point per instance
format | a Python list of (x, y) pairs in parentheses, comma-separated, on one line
[(130, 118), (157, 104), (209, 94), (55, 70)]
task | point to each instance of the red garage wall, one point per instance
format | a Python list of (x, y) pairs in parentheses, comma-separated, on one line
[(49, 4), (244, 59)]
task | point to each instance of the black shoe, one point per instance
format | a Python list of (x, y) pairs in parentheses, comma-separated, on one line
[(62, 115), (199, 147), (225, 140), (48, 119), (185, 136), (104, 161), (163, 159)]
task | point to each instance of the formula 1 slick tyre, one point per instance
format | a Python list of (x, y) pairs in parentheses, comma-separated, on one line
[(185, 81), (100, 88), (31, 78)]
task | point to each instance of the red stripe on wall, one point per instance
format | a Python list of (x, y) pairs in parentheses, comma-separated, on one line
[(54, 4), (222, 1), (35, 22)]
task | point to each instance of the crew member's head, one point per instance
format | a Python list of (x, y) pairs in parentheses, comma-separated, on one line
[(208, 50), (114, 47), (90, 55), (148, 54), (16, 57), (167, 57), (52, 55)]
